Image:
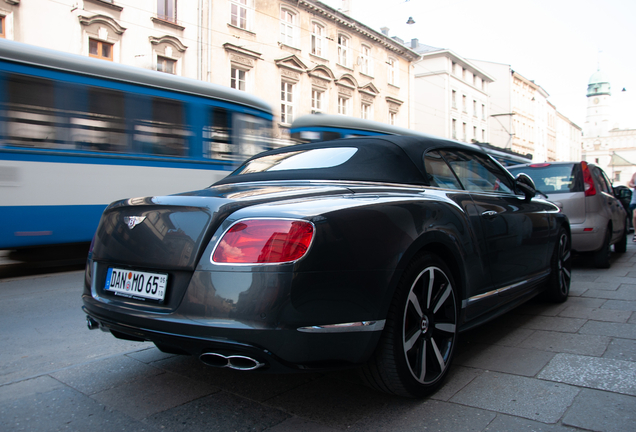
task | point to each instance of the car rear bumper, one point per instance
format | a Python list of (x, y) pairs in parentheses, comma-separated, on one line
[(586, 241), (276, 350)]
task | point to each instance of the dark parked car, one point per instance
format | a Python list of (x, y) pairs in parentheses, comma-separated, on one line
[(365, 252), (624, 195), (584, 193)]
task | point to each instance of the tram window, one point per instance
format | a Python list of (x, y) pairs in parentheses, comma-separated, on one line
[(160, 129), (328, 135), (217, 135), (252, 135), (30, 112), (97, 120)]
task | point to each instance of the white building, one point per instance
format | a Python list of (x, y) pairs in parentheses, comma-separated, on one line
[(450, 95), (604, 142), (522, 118)]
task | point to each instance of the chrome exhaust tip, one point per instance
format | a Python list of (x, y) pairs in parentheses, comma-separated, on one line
[(236, 362), (91, 323)]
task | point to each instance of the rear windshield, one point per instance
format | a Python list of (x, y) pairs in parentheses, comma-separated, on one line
[(552, 179)]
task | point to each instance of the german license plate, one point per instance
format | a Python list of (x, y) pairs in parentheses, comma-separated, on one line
[(136, 284)]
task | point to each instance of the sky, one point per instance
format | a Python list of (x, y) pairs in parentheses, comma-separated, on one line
[(557, 43)]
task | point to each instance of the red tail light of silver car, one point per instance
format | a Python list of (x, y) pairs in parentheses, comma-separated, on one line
[(590, 190)]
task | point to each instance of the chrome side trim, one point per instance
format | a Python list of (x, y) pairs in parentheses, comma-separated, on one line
[(503, 290), (360, 326)]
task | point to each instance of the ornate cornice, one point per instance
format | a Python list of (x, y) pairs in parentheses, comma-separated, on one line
[(168, 39), (337, 17), (242, 51), (102, 19)]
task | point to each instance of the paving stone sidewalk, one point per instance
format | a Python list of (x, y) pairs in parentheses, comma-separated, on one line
[(541, 367)]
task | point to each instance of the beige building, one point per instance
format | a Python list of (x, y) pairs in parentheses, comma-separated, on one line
[(301, 56), (523, 119)]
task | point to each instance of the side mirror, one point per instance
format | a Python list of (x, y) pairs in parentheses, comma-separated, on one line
[(526, 185)]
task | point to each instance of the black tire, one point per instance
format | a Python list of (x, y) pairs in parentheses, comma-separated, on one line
[(602, 256), (416, 348), (561, 269), (621, 245)]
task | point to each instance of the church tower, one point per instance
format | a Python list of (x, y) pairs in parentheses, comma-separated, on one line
[(597, 121)]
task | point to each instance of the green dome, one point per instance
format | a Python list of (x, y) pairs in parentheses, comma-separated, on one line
[(598, 84), (598, 77)]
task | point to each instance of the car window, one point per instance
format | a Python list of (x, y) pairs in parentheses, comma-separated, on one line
[(477, 172), (606, 184), (600, 180), (439, 173), (553, 178), (293, 160)]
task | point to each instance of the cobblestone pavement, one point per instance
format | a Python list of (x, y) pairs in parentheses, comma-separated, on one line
[(541, 367)]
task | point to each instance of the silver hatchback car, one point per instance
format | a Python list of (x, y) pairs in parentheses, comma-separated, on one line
[(585, 194)]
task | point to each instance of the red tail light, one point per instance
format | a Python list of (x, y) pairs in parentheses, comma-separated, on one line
[(264, 241), (590, 190)]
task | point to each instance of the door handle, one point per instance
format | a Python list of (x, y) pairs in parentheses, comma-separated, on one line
[(489, 213)]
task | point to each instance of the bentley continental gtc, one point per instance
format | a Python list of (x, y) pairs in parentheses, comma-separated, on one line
[(370, 253)]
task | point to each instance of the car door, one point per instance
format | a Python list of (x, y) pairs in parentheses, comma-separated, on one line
[(516, 230), (610, 203)]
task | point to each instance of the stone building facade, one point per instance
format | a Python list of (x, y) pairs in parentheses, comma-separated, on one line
[(301, 56), (523, 119)]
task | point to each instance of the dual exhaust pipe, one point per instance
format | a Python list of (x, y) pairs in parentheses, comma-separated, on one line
[(236, 362)]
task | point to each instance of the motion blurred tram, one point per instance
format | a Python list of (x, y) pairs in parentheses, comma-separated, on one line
[(77, 133), (323, 127)]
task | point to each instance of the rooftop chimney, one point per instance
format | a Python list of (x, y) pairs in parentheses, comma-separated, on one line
[(415, 43), (385, 31)]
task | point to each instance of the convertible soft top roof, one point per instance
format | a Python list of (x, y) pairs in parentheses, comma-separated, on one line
[(386, 158)]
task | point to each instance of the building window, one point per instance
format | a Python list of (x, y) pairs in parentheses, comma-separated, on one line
[(392, 72), (343, 50), (483, 135), (100, 50), (474, 108), (464, 74), (3, 31), (287, 27), (454, 131), (475, 133), (454, 99), (483, 112), (164, 64), (343, 105), (365, 111), (317, 37), (392, 118), (453, 68), (365, 61), (617, 176), (238, 79), (239, 13), (317, 100), (464, 131), (167, 10), (286, 102), (464, 104)]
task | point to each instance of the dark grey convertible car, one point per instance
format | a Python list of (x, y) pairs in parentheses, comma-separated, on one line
[(365, 252)]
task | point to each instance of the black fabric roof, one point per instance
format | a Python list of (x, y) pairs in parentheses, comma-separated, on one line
[(385, 158)]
